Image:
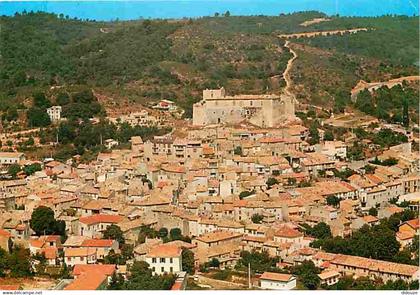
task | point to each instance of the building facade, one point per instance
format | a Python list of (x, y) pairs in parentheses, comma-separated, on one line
[(265, 110)]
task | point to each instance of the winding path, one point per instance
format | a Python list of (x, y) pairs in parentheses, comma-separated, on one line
[(286, 73)]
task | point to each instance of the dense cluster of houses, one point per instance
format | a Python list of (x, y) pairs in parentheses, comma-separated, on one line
[(227, 188)]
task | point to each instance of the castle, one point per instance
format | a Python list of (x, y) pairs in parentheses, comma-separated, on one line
[(266, 110)]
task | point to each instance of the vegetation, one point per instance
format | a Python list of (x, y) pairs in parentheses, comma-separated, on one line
[(140, 61), (188, 261), (114, 232), (245, 194), (308, 274), (257, 218), (259, 261), (376, 242), (141, 278), (16, 264), (319, 231), (363, 283), (43, 222)]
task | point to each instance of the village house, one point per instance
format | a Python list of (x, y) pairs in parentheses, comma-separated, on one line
[(165, 259), (93, 225), (277, 281), (73, 256)]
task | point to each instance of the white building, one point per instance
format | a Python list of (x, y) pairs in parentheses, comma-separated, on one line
[(165, 259), (277, 281), (55, 113), (74, 256), (9, 158), (329, 277)]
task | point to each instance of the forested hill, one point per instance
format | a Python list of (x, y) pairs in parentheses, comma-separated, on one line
[(141, 61)]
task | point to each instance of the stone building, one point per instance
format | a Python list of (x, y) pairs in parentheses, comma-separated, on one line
[(264, 110)]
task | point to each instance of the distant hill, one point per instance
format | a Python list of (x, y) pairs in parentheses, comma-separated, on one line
[(145, 60)]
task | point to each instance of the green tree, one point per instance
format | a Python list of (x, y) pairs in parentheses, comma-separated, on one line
[(175, 234), (314, 134), (117, 282), (333, 201), (13, 170), (238, 150), (373, 211), (328, 136), (163, 232), (19, 263), (43, 222), (114, 232), (271, 182), (245, 194), (214, 262), (188, 261), (308, 274), (38, 117), (40, 101), (321, 231), (257, 218), (32, 168)]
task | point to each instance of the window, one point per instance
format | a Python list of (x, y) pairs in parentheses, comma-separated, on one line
[(171, 269), (162, 269), (82, 258), (171, 260), (153, 260), (162, 260)]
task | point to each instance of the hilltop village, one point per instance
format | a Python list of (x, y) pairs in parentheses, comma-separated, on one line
[(216, 195), (217, 153)]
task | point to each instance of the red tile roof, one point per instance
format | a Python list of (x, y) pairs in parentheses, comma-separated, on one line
[(50, 252), (272, 276), (87, 281), (414, 223), (9, 287), (107, 269), (287, 232), (165, 250), (5, 233)]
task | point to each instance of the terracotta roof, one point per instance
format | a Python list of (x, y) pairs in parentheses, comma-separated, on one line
[(272, 276), (414, 223), (176, 286), (87, 281), (404, 235), (97, 243), (9, 287), (288, 232), (50, 252), (375, 265), (5, 233), (36, 243), (100, 218), (165, 250), (370, 218), (328, 274), (107, 269)]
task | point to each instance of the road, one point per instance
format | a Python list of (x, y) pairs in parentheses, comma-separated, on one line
[(286, 73), (322, 33)]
